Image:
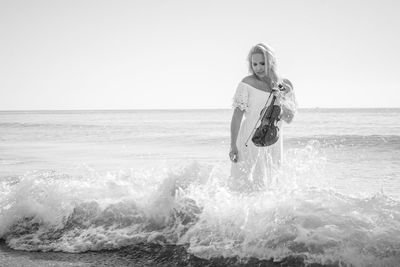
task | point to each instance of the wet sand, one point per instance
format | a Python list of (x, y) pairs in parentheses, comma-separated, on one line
[(135, 255)]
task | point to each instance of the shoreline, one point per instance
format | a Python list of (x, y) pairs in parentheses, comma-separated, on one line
[(132, 255)]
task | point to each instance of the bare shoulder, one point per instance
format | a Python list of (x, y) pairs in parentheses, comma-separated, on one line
[(250, 80)]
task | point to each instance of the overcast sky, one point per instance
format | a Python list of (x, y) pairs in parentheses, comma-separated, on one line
[(192, 54)]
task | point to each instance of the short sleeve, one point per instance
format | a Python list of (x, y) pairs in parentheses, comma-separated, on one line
[(289, 104), (241, 97)]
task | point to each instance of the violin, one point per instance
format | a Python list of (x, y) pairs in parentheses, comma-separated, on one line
[(267, 133)]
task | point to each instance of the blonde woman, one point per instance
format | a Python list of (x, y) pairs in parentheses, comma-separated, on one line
[(253, 167)]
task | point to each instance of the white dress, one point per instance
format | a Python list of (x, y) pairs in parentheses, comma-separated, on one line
[(256, 166)]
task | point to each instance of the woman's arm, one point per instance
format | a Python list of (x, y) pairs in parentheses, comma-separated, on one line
[(235, 126), (287, 113), (288, 102)]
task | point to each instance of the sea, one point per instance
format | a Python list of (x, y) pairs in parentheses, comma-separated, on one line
[(149, 188)]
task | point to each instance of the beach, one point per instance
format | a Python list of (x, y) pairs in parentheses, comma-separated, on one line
[(149, 188)]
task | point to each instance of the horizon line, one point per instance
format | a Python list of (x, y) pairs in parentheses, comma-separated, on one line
[(171, 109)]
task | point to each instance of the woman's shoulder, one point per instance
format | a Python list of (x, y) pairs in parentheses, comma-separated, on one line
[(250, 80), (256, 83)]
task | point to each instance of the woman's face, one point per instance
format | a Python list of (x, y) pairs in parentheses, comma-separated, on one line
[(258, 65)]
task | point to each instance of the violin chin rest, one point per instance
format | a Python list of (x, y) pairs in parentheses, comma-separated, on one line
[(266, 135)]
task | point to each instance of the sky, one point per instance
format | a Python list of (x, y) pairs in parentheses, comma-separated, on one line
[(173, 54)]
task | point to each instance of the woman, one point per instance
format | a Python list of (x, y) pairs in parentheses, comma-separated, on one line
[(253, 167)]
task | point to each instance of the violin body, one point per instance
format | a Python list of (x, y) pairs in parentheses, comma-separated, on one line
[(268, 132)]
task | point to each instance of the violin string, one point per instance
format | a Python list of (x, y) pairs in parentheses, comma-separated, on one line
[(261, 116)]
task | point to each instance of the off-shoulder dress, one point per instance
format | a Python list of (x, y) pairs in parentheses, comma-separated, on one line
[(256, 166)]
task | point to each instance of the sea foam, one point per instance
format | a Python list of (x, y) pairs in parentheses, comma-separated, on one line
[(299, 215)]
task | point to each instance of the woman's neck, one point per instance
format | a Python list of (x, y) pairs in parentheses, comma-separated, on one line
[(265, 79)]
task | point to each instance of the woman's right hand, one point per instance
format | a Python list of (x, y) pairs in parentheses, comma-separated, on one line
[(233, 154)]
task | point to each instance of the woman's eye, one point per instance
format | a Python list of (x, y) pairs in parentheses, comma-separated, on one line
[(262, 64)]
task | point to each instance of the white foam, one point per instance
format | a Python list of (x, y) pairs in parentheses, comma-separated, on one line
[(301, 215)]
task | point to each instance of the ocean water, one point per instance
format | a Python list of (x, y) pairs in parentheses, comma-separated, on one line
[(79, 181)]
